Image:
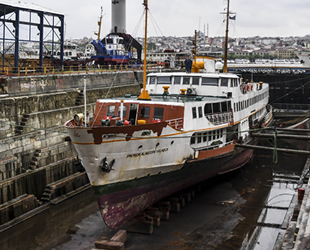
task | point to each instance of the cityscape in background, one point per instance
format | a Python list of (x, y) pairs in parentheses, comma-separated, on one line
[(246, 48)]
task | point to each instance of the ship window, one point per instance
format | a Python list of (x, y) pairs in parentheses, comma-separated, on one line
[(152, 80), (228, 106), (177, 80), (158, 113), (186, 80), (200, 111), (195, 81), (199, 138), (218, 134), (224, 82), (193, 139), (205, 136), (232, 82), (224, 106), (216, 108), (124, 111), (210, 136), (208, 109), (163, 80), (194, 112), (111, 110), (145, 112), (214, 135), (210, 81)]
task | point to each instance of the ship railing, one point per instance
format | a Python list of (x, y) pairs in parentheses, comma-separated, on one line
[(284, 107), (220, 118), (74, 69), (176, 123)]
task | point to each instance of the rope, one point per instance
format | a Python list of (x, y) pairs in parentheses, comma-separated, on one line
[(275, 152), (155, 25)]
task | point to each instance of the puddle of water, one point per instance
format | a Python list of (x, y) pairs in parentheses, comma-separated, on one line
[(278, 201), (267, 238), (281, 194), (272, 216)]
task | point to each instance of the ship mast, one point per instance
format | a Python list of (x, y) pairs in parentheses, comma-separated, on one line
[(226, 39), (99, 24), (144, 94)]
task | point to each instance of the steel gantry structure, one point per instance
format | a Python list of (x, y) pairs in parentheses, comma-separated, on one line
[(23, 25)]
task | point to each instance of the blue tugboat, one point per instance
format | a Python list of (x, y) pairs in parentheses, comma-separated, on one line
[(116, 47)]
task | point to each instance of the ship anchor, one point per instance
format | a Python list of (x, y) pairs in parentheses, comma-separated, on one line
[(106, 166)]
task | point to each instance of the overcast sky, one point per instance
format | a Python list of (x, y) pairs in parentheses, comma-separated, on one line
[(182, 17)]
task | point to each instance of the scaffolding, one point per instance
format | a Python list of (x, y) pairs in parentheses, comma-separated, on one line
[(28, 31)]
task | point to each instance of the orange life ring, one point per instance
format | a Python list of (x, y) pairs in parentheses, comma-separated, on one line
[(243, 89), (251, 86), (248, 87)]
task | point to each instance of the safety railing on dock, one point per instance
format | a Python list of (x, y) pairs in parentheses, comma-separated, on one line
[(78, 69), (291, 106)]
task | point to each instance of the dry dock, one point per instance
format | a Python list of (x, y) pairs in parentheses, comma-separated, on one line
[(38, 164), (45, 200)]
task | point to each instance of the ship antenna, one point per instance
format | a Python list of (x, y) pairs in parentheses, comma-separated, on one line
[(226, 39), (144, 94)]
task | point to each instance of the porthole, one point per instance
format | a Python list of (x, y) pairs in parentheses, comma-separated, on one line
[(171, 142), (157, 144), (140, 147)]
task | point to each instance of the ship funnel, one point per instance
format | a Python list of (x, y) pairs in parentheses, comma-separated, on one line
[(118, 16)]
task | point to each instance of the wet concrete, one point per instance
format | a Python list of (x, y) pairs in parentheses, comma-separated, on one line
[(216, 218), (226, 211), (51, 227)]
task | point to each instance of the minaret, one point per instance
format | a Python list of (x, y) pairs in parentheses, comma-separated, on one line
[(118, 16)]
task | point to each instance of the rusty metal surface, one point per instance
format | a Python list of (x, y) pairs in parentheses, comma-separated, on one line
[(116, 209), (127, 130)]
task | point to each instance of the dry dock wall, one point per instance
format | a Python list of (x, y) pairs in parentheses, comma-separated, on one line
[(37, 161), (40, 97)]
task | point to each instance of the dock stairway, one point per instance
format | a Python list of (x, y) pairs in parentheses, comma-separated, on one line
[(35, 159), (19, 129), (57, 191), (79, 98)]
